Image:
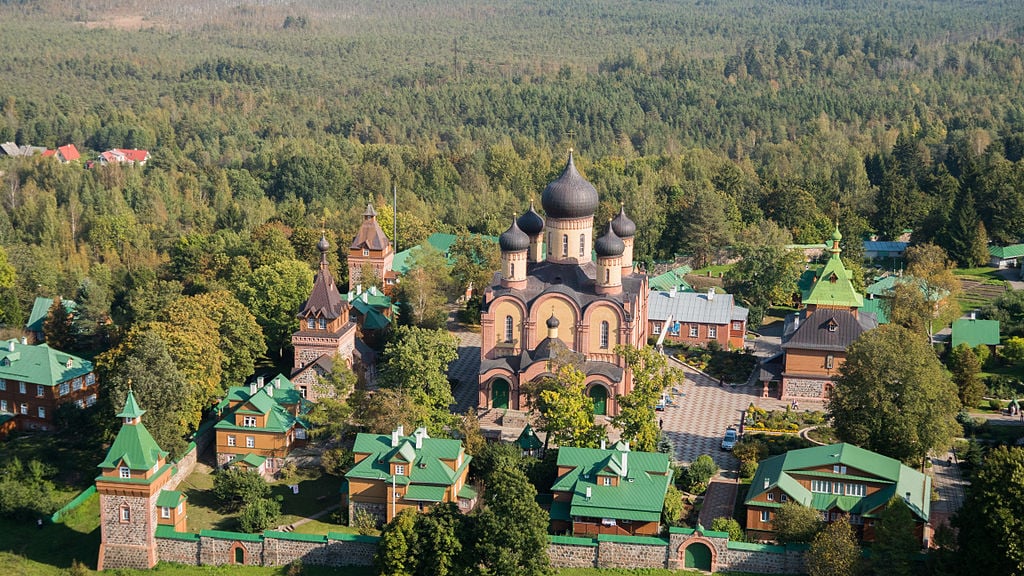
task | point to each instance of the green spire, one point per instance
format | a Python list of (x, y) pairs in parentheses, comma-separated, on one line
[(131, 408)]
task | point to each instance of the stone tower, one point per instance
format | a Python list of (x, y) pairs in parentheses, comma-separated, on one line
[(129, 485), (370, 247)]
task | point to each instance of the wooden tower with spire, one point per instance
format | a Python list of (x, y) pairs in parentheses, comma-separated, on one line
[(130, 483)]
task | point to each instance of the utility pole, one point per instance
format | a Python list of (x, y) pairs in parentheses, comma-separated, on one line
[(394, 216)]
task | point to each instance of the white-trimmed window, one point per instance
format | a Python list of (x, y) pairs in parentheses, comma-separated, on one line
[(76, 384), (249, 421), (693, 331), (3, 385), (41, 412), (508, 328), (250, 441), (604, 334), (64, 388), (40, 391), (124, 472), (322, 323), (165, 512), (21, 387), (855, 490), (399, 470), (23, 409), (737, 326), (583, 245), (181, 507), (126, 513), (770, 496), (766, 516), (3, 405), (231, 439), (366, 252), (820, 486), (511, 269), (90, 379), (830, 362), (712, 332), (783, 498), (90, 400), (838, 469), (837, 487), (310, 323), (657, 328), (607, 481)]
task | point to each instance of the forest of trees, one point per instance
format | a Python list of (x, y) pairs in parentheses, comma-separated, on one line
[(719, 131)]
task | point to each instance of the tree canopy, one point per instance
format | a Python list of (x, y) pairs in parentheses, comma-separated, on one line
[(893, 396)]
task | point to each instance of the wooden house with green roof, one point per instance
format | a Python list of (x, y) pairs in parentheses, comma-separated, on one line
[(130, 485), (839, 480), (396, 472), (814, 340), (260, 424), (1006, 256), (609, 491), (974, 332), (35, 379)]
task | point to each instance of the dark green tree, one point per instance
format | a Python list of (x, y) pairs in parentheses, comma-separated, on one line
[(234, 488), (794, 523), (510, 534), (965, 367), (396, 550), (415, 361), (834, 551), (58, 328), (894, 540), (766, 275), (991, 520), (965, 241), (894, 397)]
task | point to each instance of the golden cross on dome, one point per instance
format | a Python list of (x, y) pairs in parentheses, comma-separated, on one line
[(571, 133)]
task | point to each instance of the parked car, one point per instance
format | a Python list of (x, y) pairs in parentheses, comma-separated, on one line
[(731, 436)]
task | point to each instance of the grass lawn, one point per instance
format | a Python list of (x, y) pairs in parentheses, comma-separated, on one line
[(317, 492), (635, 572), (24, 566), (55, 545), (74, 457), (981, 273)]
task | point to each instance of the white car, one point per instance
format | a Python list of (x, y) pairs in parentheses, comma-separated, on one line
[(730, 439)]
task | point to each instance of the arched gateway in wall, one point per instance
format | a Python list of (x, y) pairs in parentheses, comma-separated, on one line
[(698, 553)]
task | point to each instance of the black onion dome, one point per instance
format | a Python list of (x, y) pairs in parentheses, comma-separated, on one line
[(531, 223), (513, 239), (609, 244), (570, 195), (323, 245), (552, 321), (623, 226)]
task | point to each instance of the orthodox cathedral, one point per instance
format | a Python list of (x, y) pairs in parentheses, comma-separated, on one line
[(562, 296)]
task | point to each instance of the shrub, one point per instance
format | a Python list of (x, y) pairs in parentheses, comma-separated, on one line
[(364, 522), (336, 461), (995, 404), (730, 525), (748, 468), (700, 473), (234, 487), (259, 515), (289, 472)]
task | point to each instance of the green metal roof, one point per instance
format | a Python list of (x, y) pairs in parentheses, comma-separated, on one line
[(778, 471), (168, 532), (467, 493), (441, 242), (830, 286), (528, 439), (41, 309), (640, 494), (425, 493), (883, 286), (249, 458), (425, 466), (674, 278), (270, 401), (975, 332), (1007, 252), (131, 407), (39, 364), (169, 498), (134, 446), (874, 306)]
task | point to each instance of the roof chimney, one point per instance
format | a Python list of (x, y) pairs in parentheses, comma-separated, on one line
[(24, 341), (277, 383), (625, 463), (711, 294), (767, 483), (588, 492), (602, 445), (672, 292), (401, 430), (359, 289), (366, 297), (420, 434), (394, 438), (10, 346), (259, 381), (252, 388)]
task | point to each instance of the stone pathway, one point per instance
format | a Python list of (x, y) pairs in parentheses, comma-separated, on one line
[(719, 500), (949, 483), (465, 370)]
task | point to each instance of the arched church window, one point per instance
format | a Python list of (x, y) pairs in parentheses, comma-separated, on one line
[(604, 334), (607, 276), (565, 244), (508, 329), (583, 245), (511, 269)]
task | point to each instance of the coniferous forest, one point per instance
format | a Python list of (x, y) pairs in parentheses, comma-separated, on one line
[(715, 122)]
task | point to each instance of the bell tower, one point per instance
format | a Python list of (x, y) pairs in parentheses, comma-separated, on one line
[(129, 484)]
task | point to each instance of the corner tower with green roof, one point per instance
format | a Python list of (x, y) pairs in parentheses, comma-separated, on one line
[(815, 338), (131, 480)]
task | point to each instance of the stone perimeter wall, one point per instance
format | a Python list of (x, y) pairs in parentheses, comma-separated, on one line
[(278, 551)]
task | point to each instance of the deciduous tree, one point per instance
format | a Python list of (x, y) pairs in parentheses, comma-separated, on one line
[(651, 376), (991, 519), (834, 551), (566, 412), (415, 361), (423, 288), (239, 337), (273, 294), (330, 416), (795, 523), (893, 396), (510, 535), (765, 275)]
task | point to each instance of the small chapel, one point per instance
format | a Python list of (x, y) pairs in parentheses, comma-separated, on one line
[(562, 296)]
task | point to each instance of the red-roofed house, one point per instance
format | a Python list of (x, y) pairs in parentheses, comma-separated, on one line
[(68, 153), (123, 155)]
